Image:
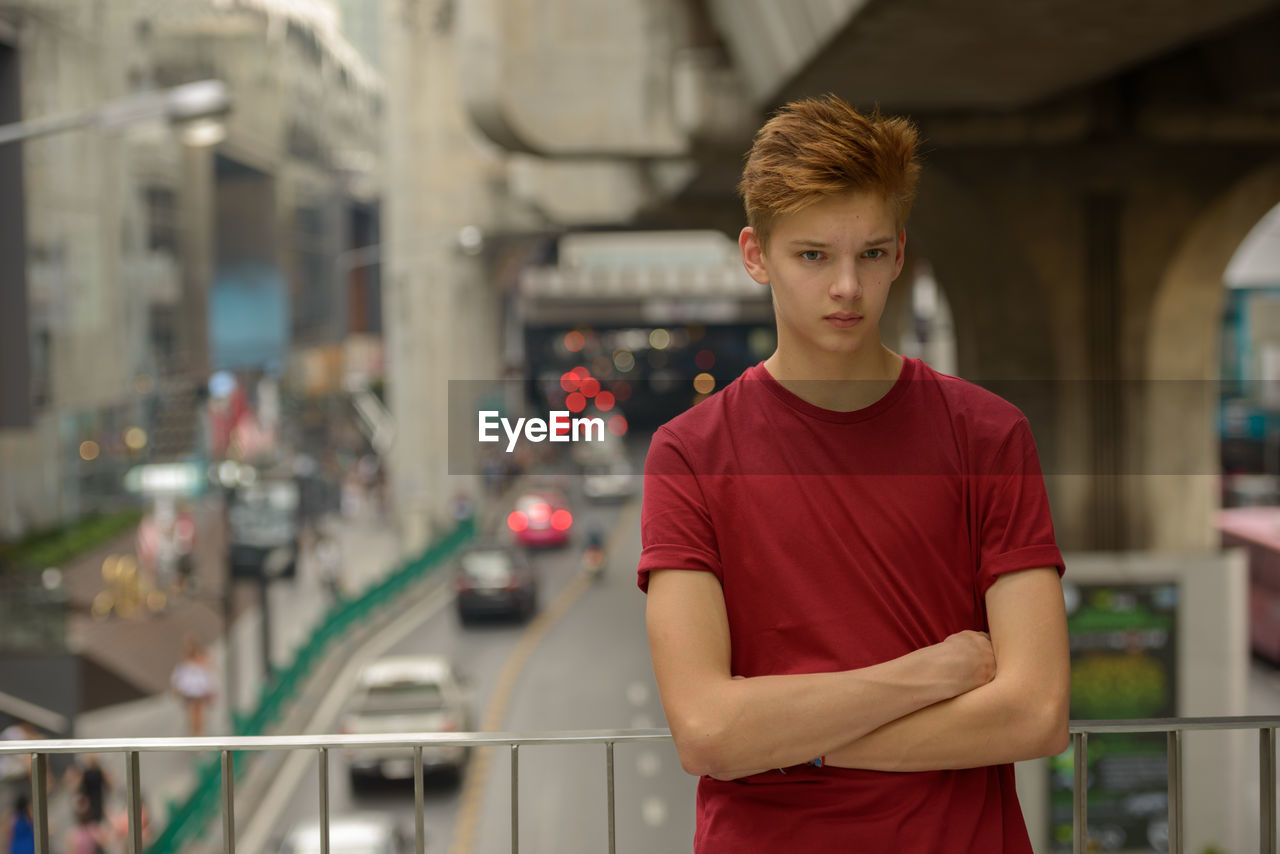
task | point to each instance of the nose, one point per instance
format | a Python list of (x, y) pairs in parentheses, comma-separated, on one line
[(846, 287)]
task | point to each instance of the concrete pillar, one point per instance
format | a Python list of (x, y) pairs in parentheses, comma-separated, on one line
[(441, 316)]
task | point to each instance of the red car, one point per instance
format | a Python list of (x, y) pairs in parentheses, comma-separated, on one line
[(541, 520)]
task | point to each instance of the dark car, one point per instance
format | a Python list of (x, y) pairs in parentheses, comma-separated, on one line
[(495, 581), (263, 527)]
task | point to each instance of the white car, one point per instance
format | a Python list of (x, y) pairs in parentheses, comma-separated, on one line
[(611, 481), (407, 694), (358, 833)]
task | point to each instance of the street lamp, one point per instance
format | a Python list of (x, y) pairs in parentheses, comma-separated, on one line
[(193, 107)]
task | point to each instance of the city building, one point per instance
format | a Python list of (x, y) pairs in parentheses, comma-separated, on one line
[(150, 262)]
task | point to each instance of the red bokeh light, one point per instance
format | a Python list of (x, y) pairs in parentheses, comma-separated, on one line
[(590, 387), (581, 372), (575, 402), (540, 512), (569, 381), (604, 401), (517, 521), (617, 425), (561, 520), (574, 341)]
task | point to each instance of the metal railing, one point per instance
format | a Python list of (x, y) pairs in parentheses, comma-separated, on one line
[(1173, 729), (39, 751), (132, 748)]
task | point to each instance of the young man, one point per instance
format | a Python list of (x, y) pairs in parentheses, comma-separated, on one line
[(854, 608)]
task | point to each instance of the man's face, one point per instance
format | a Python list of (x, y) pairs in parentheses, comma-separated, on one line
[(830, 266)]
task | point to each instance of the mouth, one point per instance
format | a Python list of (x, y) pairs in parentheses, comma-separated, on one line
[(843, 319)]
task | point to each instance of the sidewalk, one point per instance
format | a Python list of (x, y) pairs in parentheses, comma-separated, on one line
[(146, 650)]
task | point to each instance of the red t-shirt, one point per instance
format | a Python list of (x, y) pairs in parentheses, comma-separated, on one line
[(841, 540)]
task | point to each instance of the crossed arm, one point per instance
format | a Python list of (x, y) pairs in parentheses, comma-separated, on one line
[(962, 703)]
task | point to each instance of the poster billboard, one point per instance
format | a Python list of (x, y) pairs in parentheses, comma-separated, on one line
[(1123, 665)]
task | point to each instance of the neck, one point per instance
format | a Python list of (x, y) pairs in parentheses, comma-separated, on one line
[(839, 382)]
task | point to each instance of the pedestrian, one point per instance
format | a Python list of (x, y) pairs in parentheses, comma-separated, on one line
[(87, 836), (328, 562), (854, 608), (20, 835), (90, 783), (194, 682), (461, 508)]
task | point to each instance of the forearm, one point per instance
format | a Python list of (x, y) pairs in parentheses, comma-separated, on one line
[(1020, 714), (994, 724), (729, 727), (745, 726)]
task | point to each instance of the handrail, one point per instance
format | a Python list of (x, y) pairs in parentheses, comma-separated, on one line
[(302, 742), (1080, 730), (200, 804), (1174, 728)]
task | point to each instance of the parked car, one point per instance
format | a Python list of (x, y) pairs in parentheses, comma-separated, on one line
[(495, 580), (411, 693), (609, 481), (541, 520), (355, 833)]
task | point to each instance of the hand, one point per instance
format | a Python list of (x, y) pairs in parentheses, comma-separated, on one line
[(967, 660)]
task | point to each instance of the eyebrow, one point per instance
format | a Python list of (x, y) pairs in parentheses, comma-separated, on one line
[(820, 244)]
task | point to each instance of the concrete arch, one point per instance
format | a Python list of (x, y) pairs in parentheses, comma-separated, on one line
[(1182, 367)]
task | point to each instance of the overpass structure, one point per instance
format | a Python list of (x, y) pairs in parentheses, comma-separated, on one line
[(648, 277), (1090, 169)]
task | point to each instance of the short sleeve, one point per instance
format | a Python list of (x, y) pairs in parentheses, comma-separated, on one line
[(1014, 526), (676, 530)]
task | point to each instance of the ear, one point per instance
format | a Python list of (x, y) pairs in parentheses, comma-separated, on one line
[(753, 255), (901, 254)]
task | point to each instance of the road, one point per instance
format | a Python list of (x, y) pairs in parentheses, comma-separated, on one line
[(588, 668), (592, 671)]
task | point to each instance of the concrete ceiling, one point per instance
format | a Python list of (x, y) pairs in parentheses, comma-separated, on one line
[(939, 55)]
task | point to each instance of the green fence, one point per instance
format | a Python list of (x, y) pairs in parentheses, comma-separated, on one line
[(187, 819)]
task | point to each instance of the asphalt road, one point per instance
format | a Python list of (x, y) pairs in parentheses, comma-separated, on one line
[(592, 671), (588, 668)]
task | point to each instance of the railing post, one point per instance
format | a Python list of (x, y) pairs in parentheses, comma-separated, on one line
[(515, 799), (419, 820), (1175, 790), (1080, 795), (322, 767), (133, 801), (1267, 790), (608, 761), (39, 801), (228, 803)]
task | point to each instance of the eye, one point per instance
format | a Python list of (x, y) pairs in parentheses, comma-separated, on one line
[(875, 254), (811, 255)]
